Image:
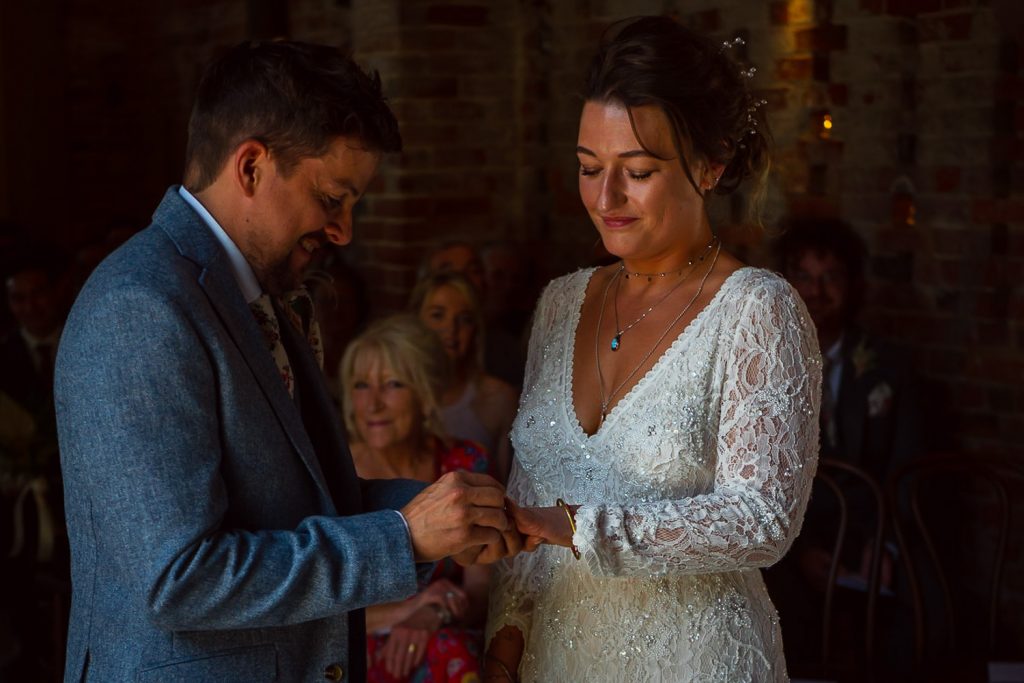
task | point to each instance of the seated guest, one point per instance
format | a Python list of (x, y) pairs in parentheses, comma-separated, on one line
[(34, 285), (36, 299), (869, 408), (509, 300), (32, 539), (456, 257), (391, 376), (869, 418), (475, 405), (504, 349)]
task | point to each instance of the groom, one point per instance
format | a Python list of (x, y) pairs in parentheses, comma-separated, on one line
[(218, 530)]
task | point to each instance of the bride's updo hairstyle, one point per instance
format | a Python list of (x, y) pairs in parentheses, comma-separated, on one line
[(704, 93)]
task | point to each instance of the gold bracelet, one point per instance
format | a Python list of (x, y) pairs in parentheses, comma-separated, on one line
[(572, 526), (504, 669)]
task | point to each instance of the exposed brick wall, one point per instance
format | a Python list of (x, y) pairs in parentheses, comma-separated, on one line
[(925, 95), (926, 157), (451, 73), (924, 160)]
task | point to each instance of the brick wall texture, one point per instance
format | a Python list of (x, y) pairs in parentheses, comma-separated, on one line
[(925, 158)]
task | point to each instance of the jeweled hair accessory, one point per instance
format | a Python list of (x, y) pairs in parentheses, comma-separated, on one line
[(752, 118), (730, 44), (755, 103)]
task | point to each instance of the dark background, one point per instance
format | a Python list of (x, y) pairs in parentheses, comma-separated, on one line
[(925, 157)]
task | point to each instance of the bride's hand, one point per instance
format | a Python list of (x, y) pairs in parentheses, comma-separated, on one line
[(542, 525)]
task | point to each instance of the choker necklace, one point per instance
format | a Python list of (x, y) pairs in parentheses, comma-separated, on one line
[(650, 276), (606, 399), (619, 331)]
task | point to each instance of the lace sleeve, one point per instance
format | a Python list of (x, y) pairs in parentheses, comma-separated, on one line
[(516, 581), (767, 446)]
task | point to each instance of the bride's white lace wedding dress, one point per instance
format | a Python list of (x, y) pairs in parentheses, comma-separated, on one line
[(698, 477)]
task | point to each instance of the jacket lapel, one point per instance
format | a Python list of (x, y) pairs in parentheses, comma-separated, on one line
[(851, 406), (196, 242), (322, 424)]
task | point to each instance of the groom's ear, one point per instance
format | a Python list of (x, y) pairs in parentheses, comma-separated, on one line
[(249, 166)]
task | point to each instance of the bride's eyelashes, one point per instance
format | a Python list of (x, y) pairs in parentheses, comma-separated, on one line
[(587, 171)]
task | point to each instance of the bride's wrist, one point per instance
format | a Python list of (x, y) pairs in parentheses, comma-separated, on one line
[(568, 513)]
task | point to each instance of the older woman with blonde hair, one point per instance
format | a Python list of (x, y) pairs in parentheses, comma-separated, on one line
[(474, 405), (391, 376)]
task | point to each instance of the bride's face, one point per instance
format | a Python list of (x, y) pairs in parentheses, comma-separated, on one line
[(643, 206)]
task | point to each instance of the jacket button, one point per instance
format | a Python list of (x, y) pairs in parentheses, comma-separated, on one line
[(334, 672)]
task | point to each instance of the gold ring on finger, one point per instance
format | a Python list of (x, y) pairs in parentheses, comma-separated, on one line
[(412, 648)]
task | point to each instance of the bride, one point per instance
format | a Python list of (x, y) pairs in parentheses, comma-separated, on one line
[(668, 432)]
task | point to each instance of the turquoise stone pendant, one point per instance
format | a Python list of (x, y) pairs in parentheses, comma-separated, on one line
[(616, 342)]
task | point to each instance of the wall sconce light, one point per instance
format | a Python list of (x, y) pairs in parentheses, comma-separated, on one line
[(826, 126)]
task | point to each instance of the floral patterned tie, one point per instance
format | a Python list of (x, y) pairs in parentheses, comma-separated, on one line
[(299, 309), (263, 310)]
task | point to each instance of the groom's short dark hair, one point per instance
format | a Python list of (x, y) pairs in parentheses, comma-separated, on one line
[(293, 97)]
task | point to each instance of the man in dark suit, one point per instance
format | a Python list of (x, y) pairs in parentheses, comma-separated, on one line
[(218, 529), (869, 417), (870, 407), (32, 285), (31, 539)]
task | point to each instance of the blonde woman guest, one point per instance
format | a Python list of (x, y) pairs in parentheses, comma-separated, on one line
[(474, 405), (390, 376)]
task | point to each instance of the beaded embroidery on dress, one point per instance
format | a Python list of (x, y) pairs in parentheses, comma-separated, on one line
[(698, 477)]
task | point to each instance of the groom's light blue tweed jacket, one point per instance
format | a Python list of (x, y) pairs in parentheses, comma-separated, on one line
[(205, 544)]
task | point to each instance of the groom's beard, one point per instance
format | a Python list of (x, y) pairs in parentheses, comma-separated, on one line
[(276, 274), (278, 278)]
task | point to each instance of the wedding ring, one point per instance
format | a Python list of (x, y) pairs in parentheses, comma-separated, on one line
[(449, 595), (412, 648)]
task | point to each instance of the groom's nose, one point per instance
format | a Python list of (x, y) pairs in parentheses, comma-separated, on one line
[(339, 231)]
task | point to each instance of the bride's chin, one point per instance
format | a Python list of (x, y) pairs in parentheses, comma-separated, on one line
[(615, 245)]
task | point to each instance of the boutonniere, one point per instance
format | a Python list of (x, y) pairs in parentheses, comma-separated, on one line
[(863, 358), (880, 399)]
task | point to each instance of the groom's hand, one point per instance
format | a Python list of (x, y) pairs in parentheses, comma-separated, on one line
[(511, 544), (461, 514)]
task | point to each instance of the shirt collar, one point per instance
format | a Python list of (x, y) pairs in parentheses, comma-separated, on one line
[(33, 341), (240, 268)]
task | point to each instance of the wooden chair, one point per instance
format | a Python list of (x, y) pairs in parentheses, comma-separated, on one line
[(825, 467), (36, 551), (970, 496), (839, 478)]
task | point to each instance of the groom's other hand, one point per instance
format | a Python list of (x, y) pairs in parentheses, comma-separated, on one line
[(461, 514)]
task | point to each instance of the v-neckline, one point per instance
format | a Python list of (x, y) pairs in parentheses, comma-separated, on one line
[(569, 365)]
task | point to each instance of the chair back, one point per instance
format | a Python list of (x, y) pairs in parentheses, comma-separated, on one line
[(951, 515), (840, 477)]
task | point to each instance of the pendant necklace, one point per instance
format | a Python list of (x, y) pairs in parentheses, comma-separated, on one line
[(619, 331), (606, 398)]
